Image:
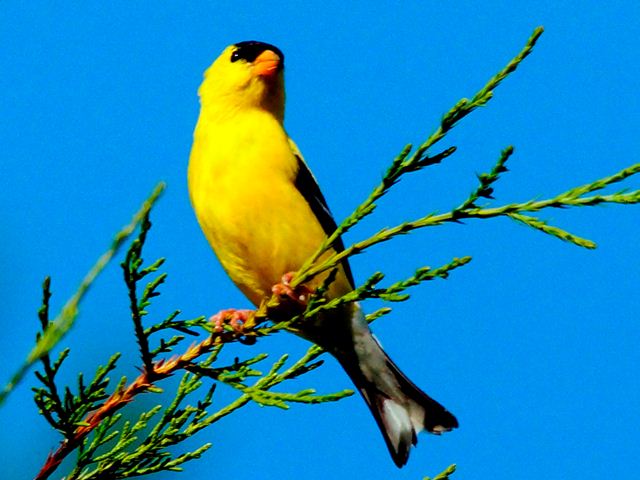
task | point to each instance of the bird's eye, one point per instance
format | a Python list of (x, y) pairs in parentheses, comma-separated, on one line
[(235, 56)]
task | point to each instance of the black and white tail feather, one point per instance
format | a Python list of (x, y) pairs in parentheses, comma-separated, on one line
[(400, 408)]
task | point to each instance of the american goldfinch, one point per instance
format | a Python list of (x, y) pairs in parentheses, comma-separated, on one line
[(263, 213)]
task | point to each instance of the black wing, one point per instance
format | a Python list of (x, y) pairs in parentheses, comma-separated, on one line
[(309, 189)]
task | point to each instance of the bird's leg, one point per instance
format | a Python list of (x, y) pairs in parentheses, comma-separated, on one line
[(293, 300)]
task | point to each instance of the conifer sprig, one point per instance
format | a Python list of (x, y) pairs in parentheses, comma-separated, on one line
[(393, 293), (443, 475), (133, 273), (515, 211)]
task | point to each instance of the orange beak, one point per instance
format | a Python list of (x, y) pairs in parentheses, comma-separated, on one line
[(266, 64)]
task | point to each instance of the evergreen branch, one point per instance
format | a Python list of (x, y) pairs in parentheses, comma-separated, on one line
[(43, 312), (604, 182), (392, 293), (559, 201), (485, 188), (557, 232), (261, 394), (151, 454), (373, 316), (423, 274), (302, 365), (281, 400), (182, 326), (166, 346), (102, 436), (399, 167), (48, 399), (58, 328), (238, 371), (444, 475), (132, 274), (259, 391), (563, 200)]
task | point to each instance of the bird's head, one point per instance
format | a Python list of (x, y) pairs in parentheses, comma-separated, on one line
[(246, 75)]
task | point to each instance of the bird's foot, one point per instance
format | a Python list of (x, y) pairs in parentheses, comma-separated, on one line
[(293, 300), (238, 320)]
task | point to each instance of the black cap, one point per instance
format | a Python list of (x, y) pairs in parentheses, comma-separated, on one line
[(250, 50)]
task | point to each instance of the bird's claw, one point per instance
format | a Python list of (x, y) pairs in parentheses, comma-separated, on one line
[(284, 291), (238, 320), (292, 300)]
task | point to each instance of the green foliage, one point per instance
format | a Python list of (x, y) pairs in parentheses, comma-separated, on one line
[(393, 293), (133, 273), (127, 456), (88, 416), (444, 475), (67, 412)]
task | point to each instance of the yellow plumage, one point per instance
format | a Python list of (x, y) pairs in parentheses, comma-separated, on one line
[(243, 190), (262, 212)]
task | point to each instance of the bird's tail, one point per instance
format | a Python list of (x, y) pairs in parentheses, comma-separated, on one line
[(400, 408)]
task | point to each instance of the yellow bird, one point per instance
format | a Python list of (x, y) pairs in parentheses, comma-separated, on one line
[(263, 213)]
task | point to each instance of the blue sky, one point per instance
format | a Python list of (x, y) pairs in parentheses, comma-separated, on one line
[(533, 345)]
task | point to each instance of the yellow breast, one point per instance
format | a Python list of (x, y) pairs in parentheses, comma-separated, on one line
[(241, 183)]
